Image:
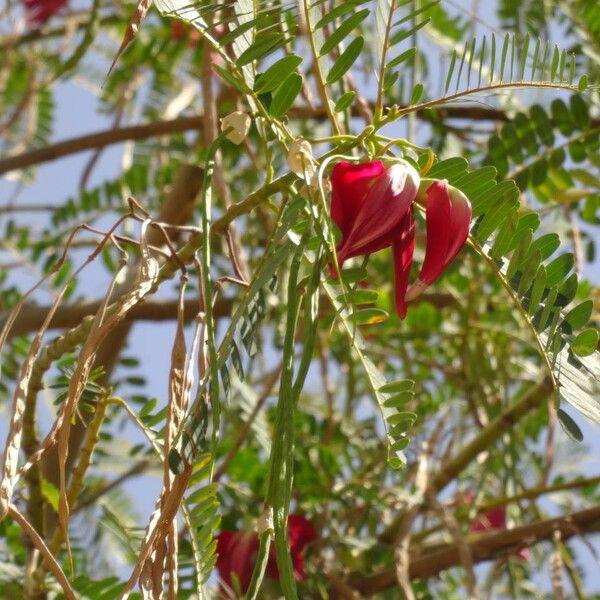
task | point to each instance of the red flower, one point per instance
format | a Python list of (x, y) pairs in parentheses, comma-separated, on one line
[(372, 206), (38, 12), (237, 552), (448, 216), (491, 520)]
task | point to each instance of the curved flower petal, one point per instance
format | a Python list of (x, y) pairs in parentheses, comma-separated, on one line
[(350, 184), (492, 519), (237, 553), (387, 203), (39, 11), (448, 216), (402, 249), (300, 533), (460, 223)]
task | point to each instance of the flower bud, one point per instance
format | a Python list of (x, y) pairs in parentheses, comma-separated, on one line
[(240, 123), (300, 159)]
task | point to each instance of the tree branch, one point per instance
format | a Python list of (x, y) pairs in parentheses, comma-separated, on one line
[(432, 559), (181, 124), (530, 400)]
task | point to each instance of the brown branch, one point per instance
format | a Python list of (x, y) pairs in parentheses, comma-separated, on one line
[(39, 544), (432, 559), (181, 124), (505, 421), (482, 441), (98, 140), (69, 315)]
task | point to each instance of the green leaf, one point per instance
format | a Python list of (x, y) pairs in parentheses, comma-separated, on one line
[(285, 95), (403, 34), (345, 60), (579, 111), (277, 73), (407, 55), (344, 101), (264, 44), (402, 418), (504, 236), (370, 316), (583, 83), (549, 306), (539, 284), (495, 216), (519, 254), (399, 400), (340, 32), (396, 387), (546, 244), (359, 297), (524, 52), (229, 78), (557, 270), (450, 71), (50, 493), (235, 33), (529, 272), (416, 94), (503, 56), (567, 290), (354, 275), (338, 11), (586, 342), (569, 425), (580, 315)]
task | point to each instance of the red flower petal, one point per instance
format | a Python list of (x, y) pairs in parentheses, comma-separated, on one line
[(237, 553), (387, 203), (438, 211), (349, 186), (39, 11), (403, 248), (460, 223), (448, 216), (493, 519), (300, 533)]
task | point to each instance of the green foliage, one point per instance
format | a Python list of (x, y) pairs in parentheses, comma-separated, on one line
[(312, 397), (540, 291)]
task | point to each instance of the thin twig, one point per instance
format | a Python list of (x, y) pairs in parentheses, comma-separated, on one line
[(39, 543)]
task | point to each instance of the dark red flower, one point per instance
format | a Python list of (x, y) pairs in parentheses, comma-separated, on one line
[(448, 216), (38, 12), (372, 206), (491, 520), (300, 534), (237, 552)]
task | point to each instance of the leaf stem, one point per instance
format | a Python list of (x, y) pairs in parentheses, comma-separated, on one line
[(398, 113), (386, 38), (318, 72)]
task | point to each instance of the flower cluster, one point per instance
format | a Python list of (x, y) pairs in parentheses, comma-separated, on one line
[(373, 207), (37, 12), (237, 552)]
